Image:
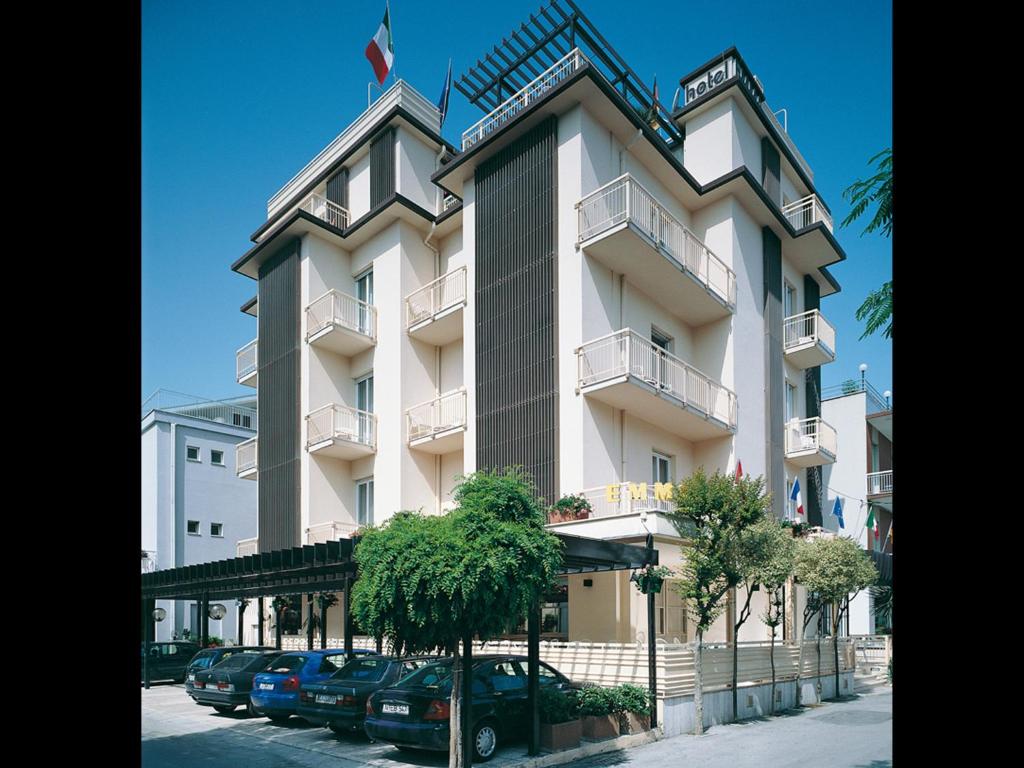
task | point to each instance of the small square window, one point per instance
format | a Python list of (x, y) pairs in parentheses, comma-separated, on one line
[(193, 527), (217, 457), (216, 529), (192, 453)]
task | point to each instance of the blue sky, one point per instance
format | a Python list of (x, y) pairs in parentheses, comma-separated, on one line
[(238, 96)]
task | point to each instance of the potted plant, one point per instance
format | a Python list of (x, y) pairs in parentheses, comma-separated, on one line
[(560, 726), (650, 578), (572, 507), (597, 707), (633, 707)]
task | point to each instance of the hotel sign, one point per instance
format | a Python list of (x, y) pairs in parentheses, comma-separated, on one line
[(616, 492), (715, 76)]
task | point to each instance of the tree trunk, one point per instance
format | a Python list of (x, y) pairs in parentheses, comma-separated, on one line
[(771, 656), (698, 689), (735, 673), (800, 666), (455, 721)]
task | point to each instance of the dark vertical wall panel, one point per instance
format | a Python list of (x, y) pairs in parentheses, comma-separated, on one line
[(382, 167), (816, 496), (770, 170), (278, 399), (774, 410), (516, 309), (337, 188)]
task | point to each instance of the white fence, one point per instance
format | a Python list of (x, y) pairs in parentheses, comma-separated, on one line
[(806, 328), (508, 109), (437, 415), (245, 360), (325, 210), (807, 211), (341, 422), (629, 498), (810, 434), (330, 531), (625, 199), (873, 650), (336, 308), (626, 352), (435, 297), (879, 482), (245, 456)]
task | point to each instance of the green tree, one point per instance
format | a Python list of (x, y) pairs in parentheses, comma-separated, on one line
[(711, 512), (881, 597), (877, 189), (772, 574), (837, 570), (428, 582)]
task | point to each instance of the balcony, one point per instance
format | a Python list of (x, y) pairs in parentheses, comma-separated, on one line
[(341, 323), (808, 340), (245, 364), (880, 488), (341, 432), (810, 442), (803, 213), (325, 210), (433, 313), (329, 531), (619, 510), (247, 547), (438, 425), (245, 459), (507, 111), (624, 227), (627, 371)]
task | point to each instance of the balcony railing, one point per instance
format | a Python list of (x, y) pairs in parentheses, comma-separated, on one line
[(628, 353), (435, 297), (625, 199), (438, 415), (805, 212), (245, 456), (875, 401), (342, 423), (521, 100), (340, 309), (330, 531), (810, 435), (449, 202), (245, 360), (879, 482), (325, 210), (247, 547), (808, 327), (785, 137)]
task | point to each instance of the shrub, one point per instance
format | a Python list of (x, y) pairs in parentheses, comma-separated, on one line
[(214, 642), (574, 507), (550, 623), (631, 698), (596, 701), (556, 707)]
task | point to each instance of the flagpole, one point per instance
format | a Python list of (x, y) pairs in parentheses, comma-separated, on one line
[(387, 7)]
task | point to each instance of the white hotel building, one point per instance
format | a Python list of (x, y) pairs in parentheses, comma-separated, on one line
[(599, 293)]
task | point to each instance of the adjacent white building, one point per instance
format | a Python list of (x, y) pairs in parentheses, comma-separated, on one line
[(607, 293), (194, 505)]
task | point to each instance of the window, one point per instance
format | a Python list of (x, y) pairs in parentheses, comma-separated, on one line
[(240, 420), (217, 457), (661, 468), (790, 402), (193, 528), (364, 502), (192, 453), (508, 676), (670, 618), (547, 675), (874, 450), (660, 339), (790, 504), (789, 299), (364, 292), (216, 529)]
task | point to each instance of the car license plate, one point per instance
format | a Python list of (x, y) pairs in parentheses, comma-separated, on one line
[(395, 709), (192, 678), (266, 686), (323, 698)]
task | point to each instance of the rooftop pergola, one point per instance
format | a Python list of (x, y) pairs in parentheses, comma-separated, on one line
[(329, 567)]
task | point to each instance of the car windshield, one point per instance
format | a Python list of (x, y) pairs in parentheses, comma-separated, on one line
[(437, 675), (286, 664), (202, 660), (237, 661), (366, 670)]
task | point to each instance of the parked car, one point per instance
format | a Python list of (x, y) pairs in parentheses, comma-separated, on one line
[(167, 661), (414, 713), (208, 657), (228, 683), (339, 702), (275, 691)]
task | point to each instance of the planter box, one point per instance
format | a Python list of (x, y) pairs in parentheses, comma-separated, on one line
[(561, 736), (633, 723), (556, 516), (600, 726)]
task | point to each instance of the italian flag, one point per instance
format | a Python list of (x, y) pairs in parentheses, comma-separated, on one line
[(381, 51), (872, 523)]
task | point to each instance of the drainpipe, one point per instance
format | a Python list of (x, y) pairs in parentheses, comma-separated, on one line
[(634, 140)]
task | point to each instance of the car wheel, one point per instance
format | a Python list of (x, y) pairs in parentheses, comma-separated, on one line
[(251, 709), (224, 708), (485, 741), (278, 718)]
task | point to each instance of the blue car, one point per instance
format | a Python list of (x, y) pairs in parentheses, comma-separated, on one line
[(275, 691)]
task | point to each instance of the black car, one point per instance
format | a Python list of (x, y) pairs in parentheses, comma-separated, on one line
[(208, 657), (340, 701), (228, 684), (167, 661), (415, 712)]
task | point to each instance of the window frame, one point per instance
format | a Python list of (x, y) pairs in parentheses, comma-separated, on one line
[(214, 462), (217, 535), (368, 483), (199, 528), (199, 453)]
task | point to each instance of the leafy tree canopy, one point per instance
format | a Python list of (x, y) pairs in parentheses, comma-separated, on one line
[(834, 567)]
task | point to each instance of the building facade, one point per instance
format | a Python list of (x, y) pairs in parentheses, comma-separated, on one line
[(194, 505), (604, 291), (861, 478)]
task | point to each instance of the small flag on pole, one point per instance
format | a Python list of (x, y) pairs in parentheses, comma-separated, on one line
[(872, 523), (381, 51), (837, 510), (795, 496), (442, 104), (739, 470)]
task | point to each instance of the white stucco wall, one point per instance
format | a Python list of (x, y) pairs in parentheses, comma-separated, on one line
[(414, 165), (359, 187)]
